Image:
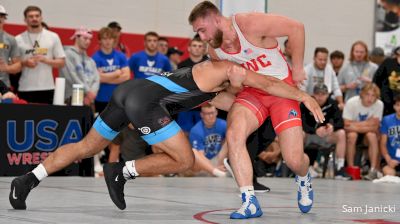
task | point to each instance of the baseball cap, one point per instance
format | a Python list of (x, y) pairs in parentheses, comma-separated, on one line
[(174, 50), (320, 88), (396, 51), (82, 31), (3, 11), (114, 24), (377, 51)]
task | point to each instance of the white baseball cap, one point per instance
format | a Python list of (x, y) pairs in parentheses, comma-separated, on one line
[(3, 10)]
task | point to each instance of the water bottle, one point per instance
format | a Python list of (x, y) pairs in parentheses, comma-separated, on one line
[(330, 171), (77, 95)]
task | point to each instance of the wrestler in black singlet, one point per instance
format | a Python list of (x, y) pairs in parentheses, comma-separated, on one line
[(149, 103)]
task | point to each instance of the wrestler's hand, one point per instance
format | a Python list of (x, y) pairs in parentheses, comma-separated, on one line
[(299, 75), (236, 75), (313, 106)]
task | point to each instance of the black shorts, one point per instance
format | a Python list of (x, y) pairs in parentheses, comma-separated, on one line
[(148, 105), (137, 102)]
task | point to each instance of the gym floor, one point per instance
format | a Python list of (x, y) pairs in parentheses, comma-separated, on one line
[(200, 200)]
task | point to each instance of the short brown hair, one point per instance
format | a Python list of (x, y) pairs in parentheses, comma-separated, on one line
[(202, 10), (337, 54), (106, 32), (208, 105), (320, 49), (396, 98), (371, 86), (364, 45), (151, 33), (163, 39), (195, 38), (32, 8)]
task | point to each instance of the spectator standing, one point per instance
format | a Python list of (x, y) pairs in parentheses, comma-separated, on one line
[(80, 68), (337, 59), (174, 56), (111, 65), (196, 53), (163, 45), (41, 51), (377, 56), (358, 72), (320, 72), (149, 61), (10, 60), (119, 45)]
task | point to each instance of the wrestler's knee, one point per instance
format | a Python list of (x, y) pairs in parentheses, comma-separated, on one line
[(295, 163)]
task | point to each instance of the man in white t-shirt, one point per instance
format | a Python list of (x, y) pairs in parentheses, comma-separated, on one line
[(362, 115), (41, 51)]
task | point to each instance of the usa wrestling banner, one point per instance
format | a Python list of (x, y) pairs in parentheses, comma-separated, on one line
[(30, 133)]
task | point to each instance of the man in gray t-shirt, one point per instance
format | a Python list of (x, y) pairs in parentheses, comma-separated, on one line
[(10, 62), (358, 72)]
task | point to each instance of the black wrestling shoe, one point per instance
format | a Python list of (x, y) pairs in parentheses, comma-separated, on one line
[(115, 181), (20, 188), (260, 188)]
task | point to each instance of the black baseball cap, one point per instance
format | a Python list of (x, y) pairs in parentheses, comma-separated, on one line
[(320, 88), (115, 24), (174, 50)]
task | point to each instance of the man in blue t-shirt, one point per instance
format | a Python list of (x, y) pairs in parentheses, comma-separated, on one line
[(207, 139), (149, 61), (112, 66), (390, 140)]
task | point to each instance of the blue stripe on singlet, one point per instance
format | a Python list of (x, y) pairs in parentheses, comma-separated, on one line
[(168, 84), (104, 130), (162, 134)]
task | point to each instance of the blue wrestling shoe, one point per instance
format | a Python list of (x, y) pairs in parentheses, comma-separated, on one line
[(305, 194), (250, 208)]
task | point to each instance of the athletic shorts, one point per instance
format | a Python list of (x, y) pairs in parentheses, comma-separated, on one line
[(137, 102), (284, 113), (149, 103)]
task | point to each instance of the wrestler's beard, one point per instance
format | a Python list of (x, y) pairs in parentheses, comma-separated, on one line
[(217, 40)]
